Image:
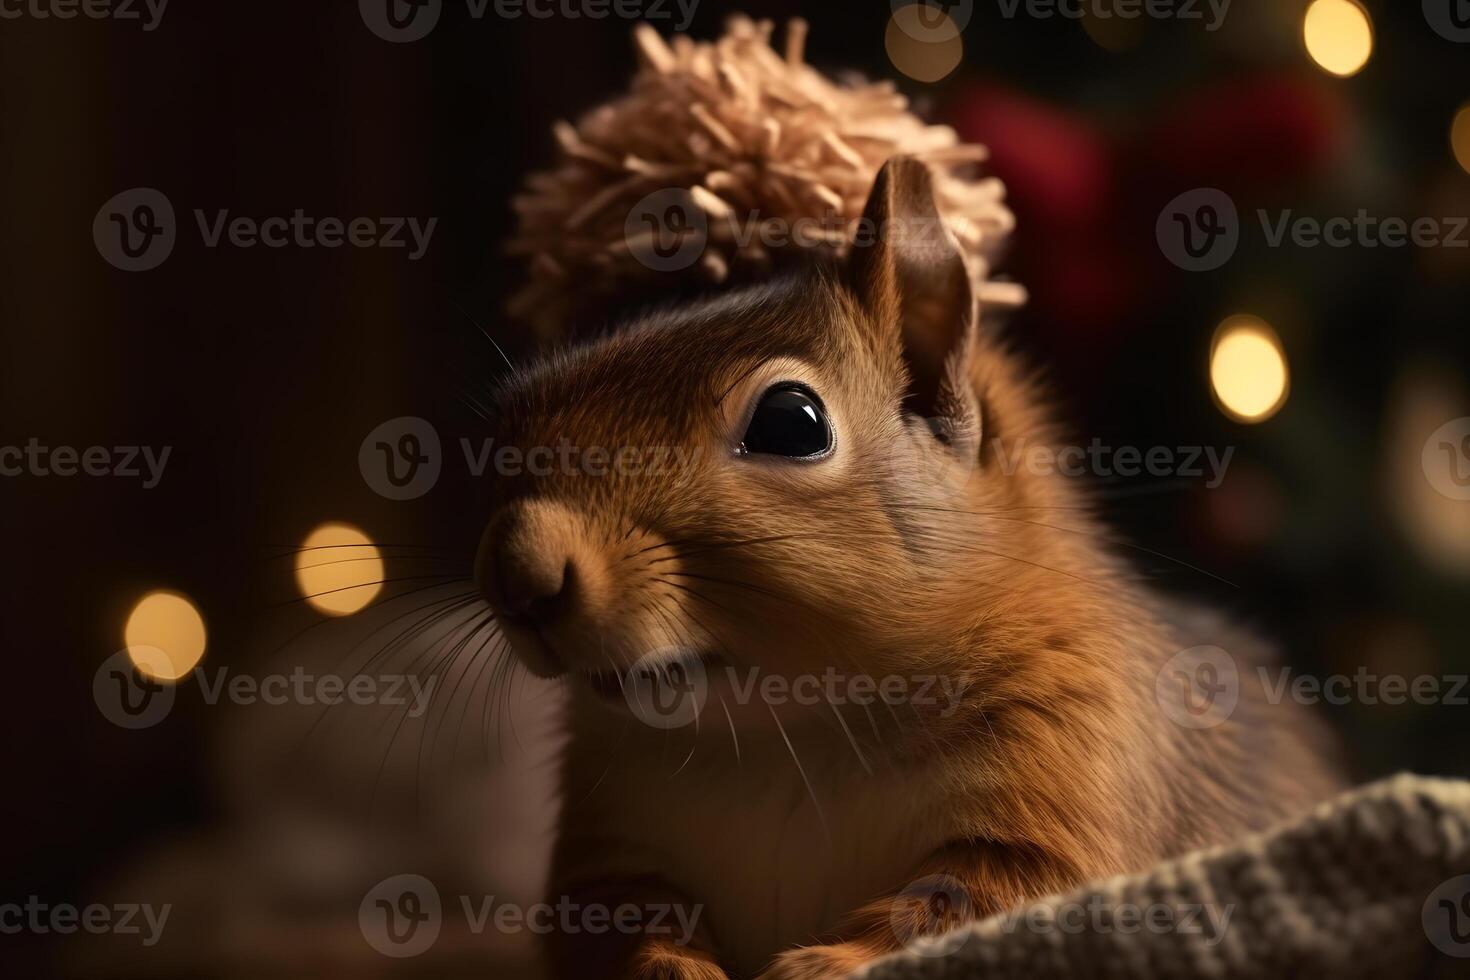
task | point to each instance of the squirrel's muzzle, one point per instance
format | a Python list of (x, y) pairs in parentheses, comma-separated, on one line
[(537, 570)]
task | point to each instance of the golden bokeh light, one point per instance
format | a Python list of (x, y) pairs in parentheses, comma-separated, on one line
[(1338, 35), (922, 47), (1460, 137), (1248, 371), (1421, 479), (1111, 33), (338, 569), (164, 635)]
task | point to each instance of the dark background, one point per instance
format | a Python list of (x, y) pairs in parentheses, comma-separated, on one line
[(264, 368)]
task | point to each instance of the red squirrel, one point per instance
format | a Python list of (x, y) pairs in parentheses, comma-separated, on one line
[(837, 508)]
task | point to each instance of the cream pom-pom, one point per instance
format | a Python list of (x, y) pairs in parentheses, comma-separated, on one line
[(758, 142)]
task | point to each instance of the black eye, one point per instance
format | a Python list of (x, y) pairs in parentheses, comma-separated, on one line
[(788, 421)]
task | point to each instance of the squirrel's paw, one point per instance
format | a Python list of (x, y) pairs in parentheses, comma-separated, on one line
[(817, 963), (668, 962)]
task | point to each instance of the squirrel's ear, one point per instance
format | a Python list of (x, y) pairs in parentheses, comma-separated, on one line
[(907, 270)]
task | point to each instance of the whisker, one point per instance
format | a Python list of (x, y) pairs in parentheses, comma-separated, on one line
[(426, 620), (1100, 535), (447, 661), (733, 737), (694, 592), (383, 558), (723, 545), (445, 578), (735, 582), (802, 772), (498, 349), (499, 649), (403, 718), (381, 606), (848, 732), (287, 551)]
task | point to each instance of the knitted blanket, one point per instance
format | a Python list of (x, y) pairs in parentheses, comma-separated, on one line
[(1373, 884)]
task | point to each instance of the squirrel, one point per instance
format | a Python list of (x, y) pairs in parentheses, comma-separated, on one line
[(998, 709)]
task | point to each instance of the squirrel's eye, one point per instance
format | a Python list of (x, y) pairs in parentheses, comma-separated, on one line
[(788, 421)]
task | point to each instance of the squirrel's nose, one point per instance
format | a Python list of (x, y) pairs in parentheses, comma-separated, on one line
[(534, 586), (528, 567)]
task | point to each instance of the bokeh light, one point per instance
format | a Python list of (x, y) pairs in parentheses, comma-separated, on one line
[(1112, 33), (338, 569), (165, 635), (1338, 35), (1460, 137), (1248, 371), (923, 42), (1424, 397)]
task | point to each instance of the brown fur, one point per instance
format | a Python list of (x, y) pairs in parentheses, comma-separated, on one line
[(797, 829)]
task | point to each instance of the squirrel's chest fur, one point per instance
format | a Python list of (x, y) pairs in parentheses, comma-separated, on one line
[(747, 841)]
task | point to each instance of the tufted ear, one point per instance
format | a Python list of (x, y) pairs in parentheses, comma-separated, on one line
[(907, 269)]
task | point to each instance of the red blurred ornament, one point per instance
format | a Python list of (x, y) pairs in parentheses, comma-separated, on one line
[(1086, 203)]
